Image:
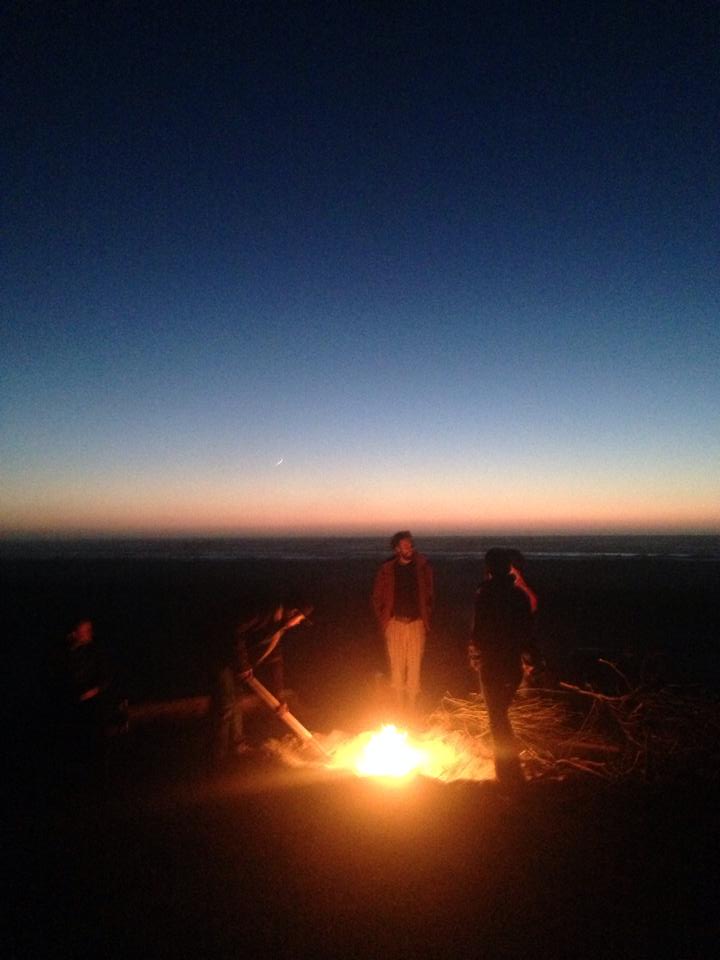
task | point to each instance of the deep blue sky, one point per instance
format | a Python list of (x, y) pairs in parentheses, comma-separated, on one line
[(455, 265)]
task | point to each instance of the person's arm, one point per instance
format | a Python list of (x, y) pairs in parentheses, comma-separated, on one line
[(475, 646), (295, 617), (533, 661), (478, 625), (430, 590), (242, 660), (528, 591)]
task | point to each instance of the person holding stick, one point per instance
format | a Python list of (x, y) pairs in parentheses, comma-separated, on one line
[(237, 658)]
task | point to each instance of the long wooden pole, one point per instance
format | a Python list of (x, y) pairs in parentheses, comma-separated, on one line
[(281, 710)]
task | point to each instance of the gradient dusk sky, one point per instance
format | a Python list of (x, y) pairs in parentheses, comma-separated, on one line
[(328, 267)]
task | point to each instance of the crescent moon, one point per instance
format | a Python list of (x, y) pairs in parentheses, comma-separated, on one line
[(279, 461)]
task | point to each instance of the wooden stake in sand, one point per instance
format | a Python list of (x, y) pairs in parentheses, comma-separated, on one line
[(281, 710)]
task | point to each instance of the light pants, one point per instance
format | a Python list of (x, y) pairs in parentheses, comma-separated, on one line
[(405, 646)]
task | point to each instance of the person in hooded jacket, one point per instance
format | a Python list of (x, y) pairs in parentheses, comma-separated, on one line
[(502, 633)]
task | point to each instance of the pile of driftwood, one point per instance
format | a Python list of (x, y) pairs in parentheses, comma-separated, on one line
[(650, 732)]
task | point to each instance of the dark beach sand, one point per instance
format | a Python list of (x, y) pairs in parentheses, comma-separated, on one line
[(266, 860)]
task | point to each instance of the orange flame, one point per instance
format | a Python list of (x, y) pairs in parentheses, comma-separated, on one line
[(388, 754), (393, 755)]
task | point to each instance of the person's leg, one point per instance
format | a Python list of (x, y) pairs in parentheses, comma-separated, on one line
[(498, 693), (395, 645), (415, 648)]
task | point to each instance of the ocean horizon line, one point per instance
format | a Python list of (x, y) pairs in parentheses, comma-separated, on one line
[(344, 546), (418, 533)]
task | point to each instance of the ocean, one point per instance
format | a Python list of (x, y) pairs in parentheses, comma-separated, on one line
[(694, 547)]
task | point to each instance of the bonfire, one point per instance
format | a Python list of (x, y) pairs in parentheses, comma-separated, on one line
[(644, 732)]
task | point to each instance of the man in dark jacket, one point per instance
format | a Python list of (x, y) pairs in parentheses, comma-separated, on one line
[(502, 633), (402, 600)]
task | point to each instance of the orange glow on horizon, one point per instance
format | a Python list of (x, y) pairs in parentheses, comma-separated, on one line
[(214, 511)]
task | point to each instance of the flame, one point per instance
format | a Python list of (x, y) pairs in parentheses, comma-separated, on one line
[(393, 755), (388, 754)]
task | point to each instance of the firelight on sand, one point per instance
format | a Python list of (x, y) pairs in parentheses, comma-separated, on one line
[(392, 754)]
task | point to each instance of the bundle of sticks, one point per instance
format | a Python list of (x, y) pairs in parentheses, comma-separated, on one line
[(650, 731)]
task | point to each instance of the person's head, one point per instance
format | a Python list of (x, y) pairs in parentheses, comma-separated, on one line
[(517, 560), (82, 633), (402, 546), (497, 562)]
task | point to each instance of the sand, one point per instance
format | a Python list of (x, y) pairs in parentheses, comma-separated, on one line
[(264, 861)]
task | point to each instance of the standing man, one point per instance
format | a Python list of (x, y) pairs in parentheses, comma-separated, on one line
[(502, 633), (402, 600)]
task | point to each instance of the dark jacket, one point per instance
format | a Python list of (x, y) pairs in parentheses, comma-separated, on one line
[(383, 595), (503, 626)]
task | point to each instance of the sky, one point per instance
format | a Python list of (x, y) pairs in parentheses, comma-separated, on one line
[(286, 268)]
